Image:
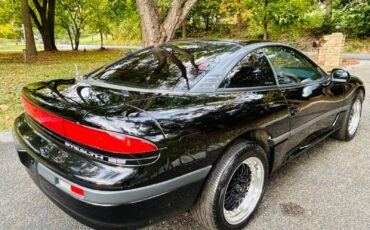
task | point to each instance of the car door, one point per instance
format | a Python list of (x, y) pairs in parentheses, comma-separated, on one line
[(314, 103), (248, 99)]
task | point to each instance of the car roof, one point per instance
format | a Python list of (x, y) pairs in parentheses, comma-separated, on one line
[(210, 82)]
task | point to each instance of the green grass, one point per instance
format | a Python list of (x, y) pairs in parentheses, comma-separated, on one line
[(95, 40), (10, 44), (14, 74), (17, 48)]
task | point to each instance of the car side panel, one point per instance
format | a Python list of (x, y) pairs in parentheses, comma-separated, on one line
[(199, 127), (314, 109), (263, 114)]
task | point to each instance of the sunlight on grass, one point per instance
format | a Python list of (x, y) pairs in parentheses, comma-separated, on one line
[(14, 74)]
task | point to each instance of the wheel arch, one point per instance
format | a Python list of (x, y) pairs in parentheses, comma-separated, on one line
[(261, 138), (361, 88)]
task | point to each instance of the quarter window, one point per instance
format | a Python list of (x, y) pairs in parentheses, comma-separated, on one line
[(291, 67), (253, 70)]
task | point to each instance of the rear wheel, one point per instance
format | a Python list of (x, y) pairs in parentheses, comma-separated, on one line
[(351, 120), (234, 189)]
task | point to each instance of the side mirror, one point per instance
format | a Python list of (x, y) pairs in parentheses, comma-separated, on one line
[(339, 75)]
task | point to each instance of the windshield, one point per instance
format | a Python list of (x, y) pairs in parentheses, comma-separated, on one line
[(174, 66)]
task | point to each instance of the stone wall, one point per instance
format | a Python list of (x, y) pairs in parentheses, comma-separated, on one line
[(331, 52)]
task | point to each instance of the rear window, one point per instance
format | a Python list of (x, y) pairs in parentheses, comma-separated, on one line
[(172, 66)]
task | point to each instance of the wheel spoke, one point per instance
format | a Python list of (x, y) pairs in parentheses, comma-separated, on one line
[(243, 190)]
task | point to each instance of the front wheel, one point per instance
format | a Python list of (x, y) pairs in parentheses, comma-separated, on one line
[(234, 189), (351, 120)]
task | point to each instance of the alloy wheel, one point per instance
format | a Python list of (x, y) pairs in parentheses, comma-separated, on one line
[(243, 190)]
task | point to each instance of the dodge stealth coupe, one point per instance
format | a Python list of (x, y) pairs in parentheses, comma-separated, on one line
[(193, 125)]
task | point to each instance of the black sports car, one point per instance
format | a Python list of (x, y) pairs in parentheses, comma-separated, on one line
[(186, 125)]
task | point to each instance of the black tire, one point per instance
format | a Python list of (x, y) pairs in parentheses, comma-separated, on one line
[(209, 210), (343, 133)]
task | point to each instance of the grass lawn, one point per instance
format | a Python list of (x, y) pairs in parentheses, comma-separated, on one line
[(17, 48), (14, 74)]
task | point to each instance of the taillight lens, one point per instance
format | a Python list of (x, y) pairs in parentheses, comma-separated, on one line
[(96, 138)]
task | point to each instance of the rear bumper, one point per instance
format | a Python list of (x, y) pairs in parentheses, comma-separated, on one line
[(130, 208), (110, 198)]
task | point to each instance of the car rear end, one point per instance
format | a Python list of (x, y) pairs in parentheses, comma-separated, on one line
[(104, 178)]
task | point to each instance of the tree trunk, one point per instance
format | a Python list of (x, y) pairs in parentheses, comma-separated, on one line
[(77, 40), (265, 31), (101, 40), (152, 30), (70, 37), (46, 40), (51, 23), (206, 22), (28, 32), (183, 32), (100, 32), (328, 8), (265, 22), (45, 22), (156, 31), (239, 17)]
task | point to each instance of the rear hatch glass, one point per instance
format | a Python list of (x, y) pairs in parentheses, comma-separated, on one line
[(174, 66)]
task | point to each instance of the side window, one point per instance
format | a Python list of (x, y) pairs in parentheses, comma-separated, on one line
[(253, 70), (291, 67)]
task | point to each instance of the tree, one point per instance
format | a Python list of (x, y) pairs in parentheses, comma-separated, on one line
[(44, 17), (328, 9), (10, 12), (353, 16), (72, 16), (260, 13), (207, 10), (11, 19), (236, 7), (6, 31), (99, 22), (28, 32), (156, 29), (265, 19)]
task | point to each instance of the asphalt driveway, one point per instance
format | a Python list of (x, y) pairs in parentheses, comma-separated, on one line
[(328, 187)]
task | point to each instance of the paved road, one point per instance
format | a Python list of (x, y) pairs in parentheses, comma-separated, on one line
[(365, 57), (326, 188)]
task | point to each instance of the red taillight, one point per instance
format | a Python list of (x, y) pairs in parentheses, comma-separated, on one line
[(77, 190), (99, 139), (66, 186)]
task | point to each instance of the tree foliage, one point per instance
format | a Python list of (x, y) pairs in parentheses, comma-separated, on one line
[(73, 16), (129, 21), (207, 13), (10, 19), (353, 16), (99, 20)]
